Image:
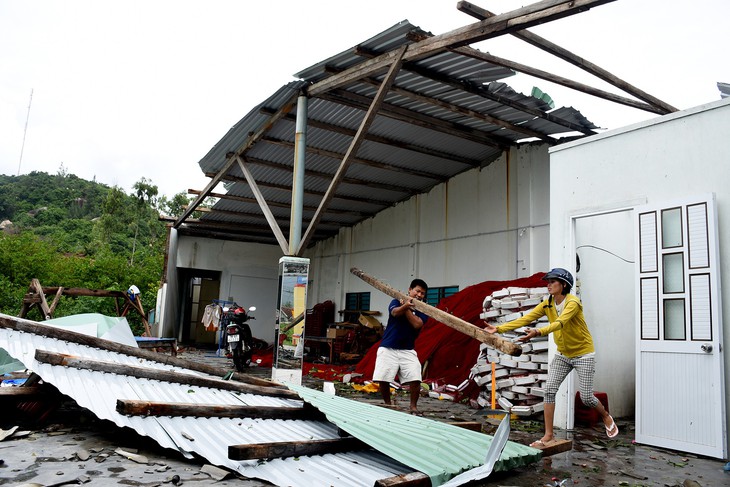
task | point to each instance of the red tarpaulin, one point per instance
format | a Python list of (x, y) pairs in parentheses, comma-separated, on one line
[(451, 354)]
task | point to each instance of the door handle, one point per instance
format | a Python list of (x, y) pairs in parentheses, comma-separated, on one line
[(706, 347)]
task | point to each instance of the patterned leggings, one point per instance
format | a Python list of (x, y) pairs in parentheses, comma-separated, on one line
[(559, 369)]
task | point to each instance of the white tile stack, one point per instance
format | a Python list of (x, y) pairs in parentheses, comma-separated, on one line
[(520, 381)]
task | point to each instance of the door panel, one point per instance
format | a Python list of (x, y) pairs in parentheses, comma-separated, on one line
[(680, 397)]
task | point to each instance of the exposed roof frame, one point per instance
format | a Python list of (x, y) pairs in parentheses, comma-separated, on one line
[(552, 48), (250, 141), (354, 146), (350, 88), (354, 100), (270, 218), (506, 23), (388, 141), (461, 111), (315, 193), (355, 160), (276, 204)]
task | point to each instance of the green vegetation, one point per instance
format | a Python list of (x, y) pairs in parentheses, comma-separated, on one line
[(70, 232)]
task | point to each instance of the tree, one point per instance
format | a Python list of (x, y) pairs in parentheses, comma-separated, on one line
[(146, 198)]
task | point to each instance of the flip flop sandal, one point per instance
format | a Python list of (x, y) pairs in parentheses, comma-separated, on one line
[(610, 428), (416, 413), (538, 444)]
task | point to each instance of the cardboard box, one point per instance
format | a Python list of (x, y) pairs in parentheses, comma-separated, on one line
[(334, 332), (370, 322)]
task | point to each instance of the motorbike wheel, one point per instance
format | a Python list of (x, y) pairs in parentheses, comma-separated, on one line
[(241, 359)]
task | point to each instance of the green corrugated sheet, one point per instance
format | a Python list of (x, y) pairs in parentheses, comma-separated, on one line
[(437, 449)]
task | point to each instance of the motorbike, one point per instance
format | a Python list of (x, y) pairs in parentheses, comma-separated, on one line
[(239, 340)]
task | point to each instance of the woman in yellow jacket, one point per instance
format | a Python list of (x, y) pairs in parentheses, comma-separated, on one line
[(574, 343)]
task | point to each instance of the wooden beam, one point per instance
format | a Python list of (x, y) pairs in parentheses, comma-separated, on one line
[(84, 363), (556, 446), (328, 176), (354, 147), (480, 90), (390, 142), (493, 340), (56, 298), (264, 207), (405, 115), (311, 192), (412, 479), (35, 328), (564, 54), (575, 85), (287, 449), (36, 287), (356, 160), (506, 23), (484, 117), (276, 204), (250, 141), (148, 408)]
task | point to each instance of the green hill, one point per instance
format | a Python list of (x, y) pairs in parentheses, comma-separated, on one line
[(70, 232)]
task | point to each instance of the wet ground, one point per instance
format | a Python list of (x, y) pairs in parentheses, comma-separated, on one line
[(72, 447)]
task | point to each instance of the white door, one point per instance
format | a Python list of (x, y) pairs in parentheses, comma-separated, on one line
[(680, 397)]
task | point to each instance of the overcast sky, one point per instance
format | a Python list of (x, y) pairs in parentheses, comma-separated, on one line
[(123, 90)]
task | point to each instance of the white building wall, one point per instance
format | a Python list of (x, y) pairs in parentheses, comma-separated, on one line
[(484, 224), (670, 157), (249, 275)]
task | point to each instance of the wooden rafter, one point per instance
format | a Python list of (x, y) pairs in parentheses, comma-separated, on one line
[(518, 19), (356, 160), (282, 187), (390, 142), (287, 449), (354, 146), (230, 161), (134, 407), (552, 48), (461, 131)]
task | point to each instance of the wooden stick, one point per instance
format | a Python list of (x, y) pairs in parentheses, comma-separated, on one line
[(493, 340), (285, 449), (134, 407), (60, 359), (28, 326)]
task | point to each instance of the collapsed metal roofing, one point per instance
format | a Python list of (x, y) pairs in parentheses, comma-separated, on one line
[(386, 120), (101, 376)]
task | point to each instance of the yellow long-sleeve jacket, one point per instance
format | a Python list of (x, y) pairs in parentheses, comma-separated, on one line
[(569, 329)]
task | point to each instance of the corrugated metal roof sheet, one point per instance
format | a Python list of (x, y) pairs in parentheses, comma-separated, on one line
[(402, 442), (437, 449), (437, 120)]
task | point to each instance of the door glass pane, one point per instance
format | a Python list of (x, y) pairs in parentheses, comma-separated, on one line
[(673, 273), (672, 228), (674, 319)]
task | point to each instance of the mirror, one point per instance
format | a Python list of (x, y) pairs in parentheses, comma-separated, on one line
[(291, 309)]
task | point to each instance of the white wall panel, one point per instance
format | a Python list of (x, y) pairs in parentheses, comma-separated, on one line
[(663, 159)]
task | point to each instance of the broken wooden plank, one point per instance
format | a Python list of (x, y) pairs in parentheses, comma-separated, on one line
[(64, 360), (27, 392), (554, 49), (36, 328), (411, 479), (506, 23), (556, 446), (133, 407), (285, 449), (493, 340)]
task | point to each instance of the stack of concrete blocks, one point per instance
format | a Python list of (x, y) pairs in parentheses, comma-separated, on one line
[(519, 381)]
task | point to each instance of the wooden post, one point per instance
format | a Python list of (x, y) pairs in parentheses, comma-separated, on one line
[(493, 340)]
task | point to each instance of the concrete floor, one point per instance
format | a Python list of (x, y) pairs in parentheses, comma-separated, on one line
[(55, 452)]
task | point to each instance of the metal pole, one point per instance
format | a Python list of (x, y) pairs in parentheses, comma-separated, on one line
[(297, 190)]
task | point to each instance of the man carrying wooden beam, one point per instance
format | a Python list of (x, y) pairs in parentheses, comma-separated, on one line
[(397, 354)]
